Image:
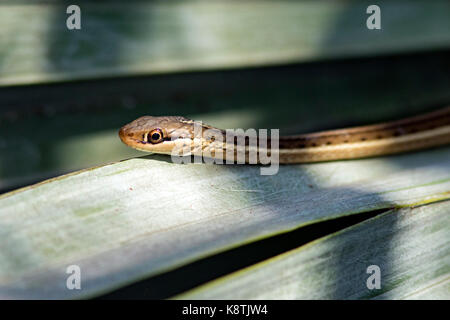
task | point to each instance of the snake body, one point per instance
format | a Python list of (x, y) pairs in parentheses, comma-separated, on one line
[(161, 135)]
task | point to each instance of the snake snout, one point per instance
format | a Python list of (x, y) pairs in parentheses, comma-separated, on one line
[(123, 134)]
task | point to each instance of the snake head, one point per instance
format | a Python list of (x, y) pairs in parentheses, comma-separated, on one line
[(156, 134)]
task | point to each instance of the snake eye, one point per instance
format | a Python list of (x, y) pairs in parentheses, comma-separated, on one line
[(155, 136)]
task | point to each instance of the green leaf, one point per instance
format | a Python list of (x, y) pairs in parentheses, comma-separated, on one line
[(410, 246), (141, 217)]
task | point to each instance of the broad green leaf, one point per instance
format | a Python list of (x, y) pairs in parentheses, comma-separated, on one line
[(137, 37), (136, 218)]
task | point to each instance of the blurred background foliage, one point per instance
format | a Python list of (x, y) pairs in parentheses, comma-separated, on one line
[(295, 65)]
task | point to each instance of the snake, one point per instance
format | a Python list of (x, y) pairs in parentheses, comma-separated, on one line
[(164, 134)]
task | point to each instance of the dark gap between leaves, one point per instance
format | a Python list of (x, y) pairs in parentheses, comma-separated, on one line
[(168, 284)]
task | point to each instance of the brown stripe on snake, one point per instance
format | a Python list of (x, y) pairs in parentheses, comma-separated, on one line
[(157, 135)]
